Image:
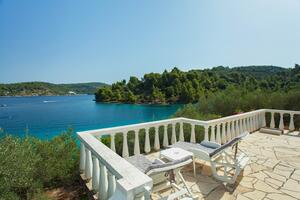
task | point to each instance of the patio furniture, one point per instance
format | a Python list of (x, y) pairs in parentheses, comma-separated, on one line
[(165, 175), (225, 165), (174, 154)]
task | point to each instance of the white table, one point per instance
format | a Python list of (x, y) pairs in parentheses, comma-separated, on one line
[(174, 153)]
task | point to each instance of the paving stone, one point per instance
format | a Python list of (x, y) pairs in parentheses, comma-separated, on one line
[(260, 175), (205, 188), (246, 184), (220, 193), (262, 186), (284, 167), (255, 195), (285, 173), (297, 172), (292, 185), (291, 193), (241, 197), (295, 177), (281, 151), (271, 163), (270, 174), (275, 176), (280, 197), (275, 183), (256, 168), (269, 153), (247, 170)]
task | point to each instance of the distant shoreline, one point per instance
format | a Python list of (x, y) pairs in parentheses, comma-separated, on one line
[(57, 95)]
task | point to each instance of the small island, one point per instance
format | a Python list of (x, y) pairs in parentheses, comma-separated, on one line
[(48, 89)]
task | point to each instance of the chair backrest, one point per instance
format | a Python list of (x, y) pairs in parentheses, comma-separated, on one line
[(156, 168), (229, 144)]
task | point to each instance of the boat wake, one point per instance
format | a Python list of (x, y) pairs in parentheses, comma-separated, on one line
[(49, 101)]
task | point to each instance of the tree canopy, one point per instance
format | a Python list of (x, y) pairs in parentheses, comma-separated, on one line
[(177, 86)]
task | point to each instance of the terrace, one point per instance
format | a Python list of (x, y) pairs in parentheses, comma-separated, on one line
[(273, 171)]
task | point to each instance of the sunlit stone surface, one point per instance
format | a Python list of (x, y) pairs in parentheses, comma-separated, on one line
[(273, 171)]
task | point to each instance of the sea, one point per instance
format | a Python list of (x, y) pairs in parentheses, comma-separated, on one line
[(48, 116)]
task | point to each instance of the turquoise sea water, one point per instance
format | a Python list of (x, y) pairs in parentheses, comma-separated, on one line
[(46, 117)]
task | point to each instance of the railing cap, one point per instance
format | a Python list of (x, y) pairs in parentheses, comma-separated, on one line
[(129, 177)]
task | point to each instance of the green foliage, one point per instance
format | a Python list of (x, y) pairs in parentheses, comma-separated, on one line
[(42, 88), (232, 101), (191, 111), (188, 87), (29, 164)]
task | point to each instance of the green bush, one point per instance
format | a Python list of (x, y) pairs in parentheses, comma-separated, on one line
[(27, 165), (236, 100)]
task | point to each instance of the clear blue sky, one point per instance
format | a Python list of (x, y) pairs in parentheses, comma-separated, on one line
[(96, 40)]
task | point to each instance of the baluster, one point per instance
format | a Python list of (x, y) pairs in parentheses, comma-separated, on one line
[(166, 138), (193, 138), (212, 135), (103, 182), (272, 124), (156, 139), (229, 136), (251, 124), (82, 157), (111, 184), (244, 125), (218, 134), (112, 142), (233, 129), (89, 164), (147, 141), (181, 133), (125, 153), (206, 133), (224, 133), (173, 139), (237, 128), (256, 121), (248, 124), (241, 126), (259, 122), (291, 126), (136, 143), (95, 175), (263, 119), (281, 124)]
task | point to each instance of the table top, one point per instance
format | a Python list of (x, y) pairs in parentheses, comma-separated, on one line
[(175, 153)]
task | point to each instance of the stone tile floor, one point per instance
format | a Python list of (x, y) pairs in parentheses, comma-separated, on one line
[(272, 173)]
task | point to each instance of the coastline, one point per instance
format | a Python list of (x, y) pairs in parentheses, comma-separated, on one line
[(56, 95)]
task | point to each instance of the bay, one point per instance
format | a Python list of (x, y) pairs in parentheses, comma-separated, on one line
[(47, 116)]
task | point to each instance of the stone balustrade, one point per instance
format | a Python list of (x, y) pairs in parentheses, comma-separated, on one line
[(113, 177), (286, 119)]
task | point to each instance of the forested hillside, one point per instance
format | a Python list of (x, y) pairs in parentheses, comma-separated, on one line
[(43, 88), (187, 87)]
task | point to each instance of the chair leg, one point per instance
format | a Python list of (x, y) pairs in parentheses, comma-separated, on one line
[(194, 166), (186, 186)]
